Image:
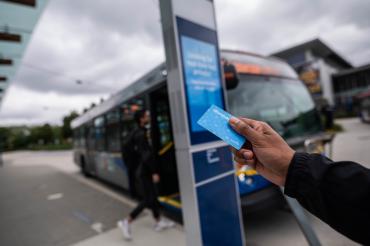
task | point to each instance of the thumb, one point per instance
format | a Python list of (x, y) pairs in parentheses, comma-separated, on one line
[(243, 128)]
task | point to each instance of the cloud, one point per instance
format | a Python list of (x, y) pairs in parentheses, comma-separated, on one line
[(39, 107), (268, 26), (92, 41), (107, 44)]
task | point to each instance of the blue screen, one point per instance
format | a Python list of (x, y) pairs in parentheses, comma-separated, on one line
[(202, 78), (202, 75)]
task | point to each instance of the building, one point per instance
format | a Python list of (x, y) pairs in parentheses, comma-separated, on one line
[(17, 21), (316, 63), (349, 87)]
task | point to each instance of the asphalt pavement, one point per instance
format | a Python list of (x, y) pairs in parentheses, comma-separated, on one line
[(46, 201), (43, 206)]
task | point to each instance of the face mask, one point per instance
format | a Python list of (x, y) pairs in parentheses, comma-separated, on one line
[(147, 126)]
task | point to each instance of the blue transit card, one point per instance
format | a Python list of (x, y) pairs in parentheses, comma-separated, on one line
[(216, 120)]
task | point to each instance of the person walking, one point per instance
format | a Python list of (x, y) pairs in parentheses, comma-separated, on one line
[(149, 177)]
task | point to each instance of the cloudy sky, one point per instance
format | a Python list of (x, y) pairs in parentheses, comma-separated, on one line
[(106, 44)]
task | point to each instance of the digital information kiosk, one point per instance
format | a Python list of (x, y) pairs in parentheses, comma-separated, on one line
[(209, 192)]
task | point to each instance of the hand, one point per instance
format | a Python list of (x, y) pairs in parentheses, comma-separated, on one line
[(156, 178), (267, 152)]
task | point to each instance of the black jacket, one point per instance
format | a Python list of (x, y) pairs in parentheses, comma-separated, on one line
[(336, 192), (144, 152)]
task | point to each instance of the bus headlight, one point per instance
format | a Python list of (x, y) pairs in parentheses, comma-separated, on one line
[(249, 181), (241, 177)]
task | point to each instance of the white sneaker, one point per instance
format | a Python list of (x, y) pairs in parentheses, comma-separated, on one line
[(125, 228), (163, 224)]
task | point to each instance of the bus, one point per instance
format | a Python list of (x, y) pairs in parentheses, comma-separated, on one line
[(258, 87)]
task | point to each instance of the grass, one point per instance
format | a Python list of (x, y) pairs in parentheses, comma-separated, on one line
[(64, 146)]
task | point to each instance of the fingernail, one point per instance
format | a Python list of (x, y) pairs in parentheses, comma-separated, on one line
[(245, 155), (234, 120)]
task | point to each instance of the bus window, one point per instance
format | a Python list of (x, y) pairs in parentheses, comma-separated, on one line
[(90, 136), (99, 133), (112, 131), (284, 103), (127, 115), (82, 137), (163, 122)]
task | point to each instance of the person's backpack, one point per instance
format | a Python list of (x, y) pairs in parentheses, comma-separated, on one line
[(129, 148)]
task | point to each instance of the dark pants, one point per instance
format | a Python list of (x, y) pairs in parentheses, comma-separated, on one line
[(149, 198), (132, 180)]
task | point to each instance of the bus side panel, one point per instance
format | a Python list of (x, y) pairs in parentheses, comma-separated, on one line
[(112, 168), (90, 161)]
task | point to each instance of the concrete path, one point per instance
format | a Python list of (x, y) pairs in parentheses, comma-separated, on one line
[(46, 201), (354, 143)]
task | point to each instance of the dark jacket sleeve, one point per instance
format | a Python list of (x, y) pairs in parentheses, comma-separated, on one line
[(336, 192), (145, 152)]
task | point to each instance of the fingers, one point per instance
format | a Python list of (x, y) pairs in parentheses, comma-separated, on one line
[(250, 122), (244, 157), (258, 126), (243, 153), (244, 127), (242, 161)]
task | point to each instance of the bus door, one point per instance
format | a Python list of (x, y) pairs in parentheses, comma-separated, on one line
[(163, 143)]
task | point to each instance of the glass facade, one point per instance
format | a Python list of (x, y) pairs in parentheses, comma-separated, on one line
[(16, 20)]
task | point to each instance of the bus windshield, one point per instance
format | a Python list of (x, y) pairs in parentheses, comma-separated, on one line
[(283, 103)]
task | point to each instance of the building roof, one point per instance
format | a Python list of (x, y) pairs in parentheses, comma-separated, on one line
[(318, 47)]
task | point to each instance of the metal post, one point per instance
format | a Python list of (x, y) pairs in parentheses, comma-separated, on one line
[(303, 221), (297, 209)]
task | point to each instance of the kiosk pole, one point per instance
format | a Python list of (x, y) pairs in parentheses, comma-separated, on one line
[(209, 192)]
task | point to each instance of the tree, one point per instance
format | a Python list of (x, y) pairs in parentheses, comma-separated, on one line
[(66, 128), (4, 138), (42, 134), (18, 139)]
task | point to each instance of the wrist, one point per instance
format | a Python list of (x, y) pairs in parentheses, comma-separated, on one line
[(287, 160)]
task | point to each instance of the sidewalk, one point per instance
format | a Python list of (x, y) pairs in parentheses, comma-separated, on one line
[(56, 173), (143, 234), (353, 144)]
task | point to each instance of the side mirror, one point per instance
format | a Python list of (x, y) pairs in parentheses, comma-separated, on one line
[(231, 76)]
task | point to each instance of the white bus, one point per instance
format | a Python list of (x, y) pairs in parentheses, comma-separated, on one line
[(258, 87)]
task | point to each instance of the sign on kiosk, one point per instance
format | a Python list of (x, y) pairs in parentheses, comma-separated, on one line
[(202, 75)]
